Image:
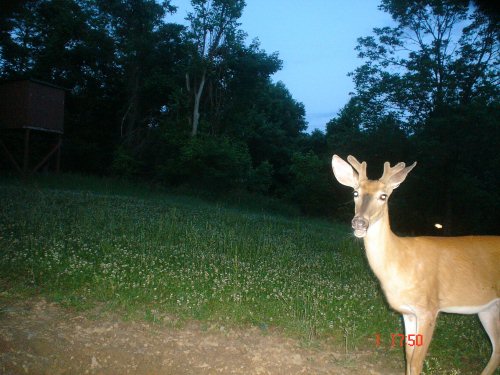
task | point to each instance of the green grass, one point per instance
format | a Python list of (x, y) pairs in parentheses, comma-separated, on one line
[(143, 252)]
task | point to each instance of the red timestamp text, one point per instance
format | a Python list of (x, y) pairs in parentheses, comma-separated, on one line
[(399, 339)]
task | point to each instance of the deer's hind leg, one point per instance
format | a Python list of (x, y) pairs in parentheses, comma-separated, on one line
[(490, 319)]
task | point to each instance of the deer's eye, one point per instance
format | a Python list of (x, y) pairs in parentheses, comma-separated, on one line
[(356, 194), (383, 197)]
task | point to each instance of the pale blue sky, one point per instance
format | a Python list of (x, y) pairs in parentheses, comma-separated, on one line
[(316, 40)]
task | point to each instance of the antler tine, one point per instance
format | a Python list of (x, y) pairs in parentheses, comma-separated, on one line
[(389, 171), (359, 167)]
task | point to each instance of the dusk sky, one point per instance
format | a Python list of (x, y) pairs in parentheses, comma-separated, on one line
[(316, 40)]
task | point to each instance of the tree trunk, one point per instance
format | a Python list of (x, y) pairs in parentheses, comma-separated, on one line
[(130, 118), (196, 110)]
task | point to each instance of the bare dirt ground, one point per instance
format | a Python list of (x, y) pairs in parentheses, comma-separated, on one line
[(38, 337)]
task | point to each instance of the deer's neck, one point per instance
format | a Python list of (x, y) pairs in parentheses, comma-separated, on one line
[(379, 245)]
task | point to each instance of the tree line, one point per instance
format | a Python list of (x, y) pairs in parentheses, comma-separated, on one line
[(149, 99)]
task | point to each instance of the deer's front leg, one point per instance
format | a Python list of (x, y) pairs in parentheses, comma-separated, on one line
[(419, 328)]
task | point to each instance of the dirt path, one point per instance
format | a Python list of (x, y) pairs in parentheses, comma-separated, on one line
[(37, 337)]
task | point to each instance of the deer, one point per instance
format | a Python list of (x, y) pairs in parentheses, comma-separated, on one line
[(423, 276)]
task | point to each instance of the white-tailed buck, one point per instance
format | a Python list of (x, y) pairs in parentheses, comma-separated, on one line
[(422, 276)]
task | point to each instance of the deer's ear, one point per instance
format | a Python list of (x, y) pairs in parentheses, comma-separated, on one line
[(396, 179), (343, 172)]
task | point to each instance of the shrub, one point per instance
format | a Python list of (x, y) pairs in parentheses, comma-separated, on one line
[(261, 178), (311, 185), (125, 164), (216, 163)]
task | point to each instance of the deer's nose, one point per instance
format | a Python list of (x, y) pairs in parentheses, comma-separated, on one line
[(359, 223)]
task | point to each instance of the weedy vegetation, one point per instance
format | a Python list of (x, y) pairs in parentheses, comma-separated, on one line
[(156, 255)]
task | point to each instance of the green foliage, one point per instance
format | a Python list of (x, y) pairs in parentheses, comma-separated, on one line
[(244, 75), (425, 62), (214, 35), (311, 184), (213, 23), (459, 146), (261, 178), (215, 163), (124, 163), (344, 133)]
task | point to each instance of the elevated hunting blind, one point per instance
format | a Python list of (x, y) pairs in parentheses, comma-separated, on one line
[(31, 109)]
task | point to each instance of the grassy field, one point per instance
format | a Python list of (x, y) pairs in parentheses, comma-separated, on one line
[(149, 254)]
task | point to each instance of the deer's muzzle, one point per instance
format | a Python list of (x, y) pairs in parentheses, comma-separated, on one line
[(360, 226)]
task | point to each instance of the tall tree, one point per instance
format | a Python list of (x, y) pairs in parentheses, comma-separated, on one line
[(441, 52), (134, 26), (213, 27), (241, 80)]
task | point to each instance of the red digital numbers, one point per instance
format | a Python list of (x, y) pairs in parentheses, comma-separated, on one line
[(399, 338)]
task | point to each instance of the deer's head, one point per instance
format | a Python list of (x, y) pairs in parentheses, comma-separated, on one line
[(370, 196)]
